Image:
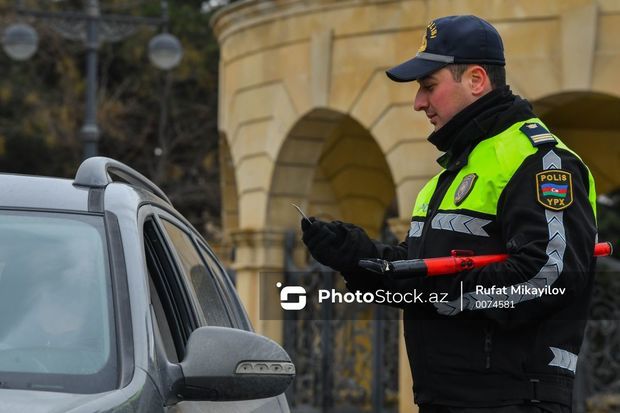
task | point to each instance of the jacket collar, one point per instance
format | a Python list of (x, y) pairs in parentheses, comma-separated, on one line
[(491, 114)]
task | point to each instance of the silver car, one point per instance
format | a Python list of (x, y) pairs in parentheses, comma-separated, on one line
[(111, 302)]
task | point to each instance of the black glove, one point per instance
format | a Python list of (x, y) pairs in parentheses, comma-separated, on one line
[(396, 269), (336, 244), (397, 276), (322, 239)]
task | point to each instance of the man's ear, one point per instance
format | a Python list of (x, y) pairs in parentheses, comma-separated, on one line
[(478, 80)]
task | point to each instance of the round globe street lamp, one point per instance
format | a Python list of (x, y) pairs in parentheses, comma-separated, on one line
[(165, 51), (20, 42)]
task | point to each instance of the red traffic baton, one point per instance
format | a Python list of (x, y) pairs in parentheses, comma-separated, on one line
[(603, 249), (459, 260)]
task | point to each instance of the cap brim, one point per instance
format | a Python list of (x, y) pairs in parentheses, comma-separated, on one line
[(413, 69)]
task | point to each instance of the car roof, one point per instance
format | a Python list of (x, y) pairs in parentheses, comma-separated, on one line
[(37, 192), (84, 193)]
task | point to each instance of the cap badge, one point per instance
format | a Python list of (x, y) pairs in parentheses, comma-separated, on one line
[(464, 188), (423, 46), (431, 33), (432, 27)]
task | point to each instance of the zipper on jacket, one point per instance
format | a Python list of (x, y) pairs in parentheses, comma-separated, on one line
[(443, 184), (488, 346)]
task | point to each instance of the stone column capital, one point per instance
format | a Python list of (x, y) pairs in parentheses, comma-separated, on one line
[(258, 250)]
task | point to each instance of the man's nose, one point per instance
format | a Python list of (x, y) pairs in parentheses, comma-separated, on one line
[(420, 102)]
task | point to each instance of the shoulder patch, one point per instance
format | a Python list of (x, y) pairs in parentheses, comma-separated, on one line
[(554, 189), (537, 134)]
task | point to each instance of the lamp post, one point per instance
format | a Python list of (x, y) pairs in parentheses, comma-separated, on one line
[(20, 42)]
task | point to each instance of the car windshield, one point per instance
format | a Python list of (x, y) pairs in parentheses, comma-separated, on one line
[(56, 323)]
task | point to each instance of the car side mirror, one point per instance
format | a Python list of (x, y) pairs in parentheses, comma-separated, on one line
[(224, 364)]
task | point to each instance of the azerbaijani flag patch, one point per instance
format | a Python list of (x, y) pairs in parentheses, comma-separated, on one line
[(555, 189)]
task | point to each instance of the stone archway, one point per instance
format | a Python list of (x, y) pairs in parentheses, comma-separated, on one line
[(228, 182), (589, 124), (331, 166), (230, 199)]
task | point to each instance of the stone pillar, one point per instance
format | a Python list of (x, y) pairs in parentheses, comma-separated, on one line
[(256, 252), (400, 227), (603, 403)]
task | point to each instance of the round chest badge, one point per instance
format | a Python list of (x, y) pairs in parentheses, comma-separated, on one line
[(464, 188)]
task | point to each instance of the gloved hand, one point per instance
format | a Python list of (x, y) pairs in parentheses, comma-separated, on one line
[(336, 244), (397, 276), (322, 239), (397, 269)]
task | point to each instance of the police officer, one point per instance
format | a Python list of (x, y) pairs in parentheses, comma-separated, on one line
[(503, 338)]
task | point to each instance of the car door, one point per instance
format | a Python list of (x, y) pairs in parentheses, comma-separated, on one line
[(190, 289)]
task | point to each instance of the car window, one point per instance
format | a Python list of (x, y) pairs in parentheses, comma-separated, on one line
[(224, 280), (171, 302), (169, 305), (162, 322), (205, 287), (56, 313)]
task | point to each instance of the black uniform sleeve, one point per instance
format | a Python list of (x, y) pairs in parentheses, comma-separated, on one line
[(551, 250)]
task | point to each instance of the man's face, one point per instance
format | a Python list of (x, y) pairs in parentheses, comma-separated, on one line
[(441, 97)]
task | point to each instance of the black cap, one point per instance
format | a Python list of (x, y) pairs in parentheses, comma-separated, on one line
[(452, 39)]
